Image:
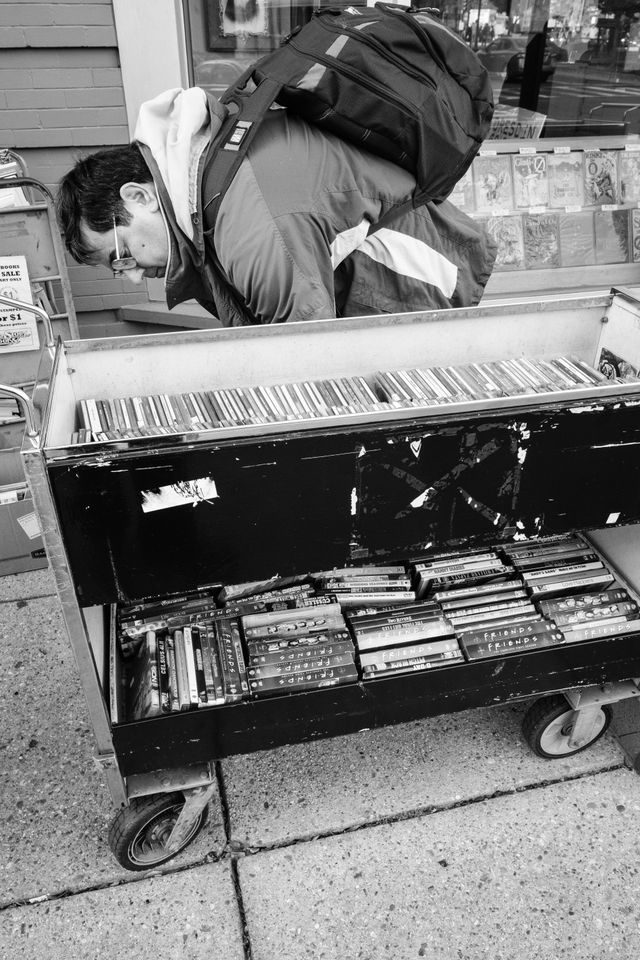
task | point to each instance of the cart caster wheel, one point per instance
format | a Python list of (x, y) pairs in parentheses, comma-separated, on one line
[(139, 833), (548, 723)]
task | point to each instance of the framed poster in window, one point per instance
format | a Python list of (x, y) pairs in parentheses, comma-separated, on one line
[(236, 24)]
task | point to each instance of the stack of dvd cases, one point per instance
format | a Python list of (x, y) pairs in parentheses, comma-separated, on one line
[(183, 653), (571, 584), (142, 685), (299, 649), (438, 573), (186, 668), (218, 645), (265, 591), (275, 601), (173, 611), (404, 640), (558, 565), (589, 616), (368, 586), (486, 601), (498, 623), (124, 418)]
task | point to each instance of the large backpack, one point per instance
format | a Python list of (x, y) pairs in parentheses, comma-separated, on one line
[(398, 83)]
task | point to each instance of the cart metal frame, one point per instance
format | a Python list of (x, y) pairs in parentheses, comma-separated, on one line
[(120, 751), (29, 229)]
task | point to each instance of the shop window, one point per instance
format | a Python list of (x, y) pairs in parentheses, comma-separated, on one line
[(228, 35), (557, 182), (558, 69), (553, 207)]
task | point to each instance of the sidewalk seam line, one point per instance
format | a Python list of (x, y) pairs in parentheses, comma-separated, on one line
[(233, 855), (427, 811), (36, 596), (235, 877)]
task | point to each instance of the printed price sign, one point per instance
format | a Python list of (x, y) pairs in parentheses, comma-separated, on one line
[(18, 328)]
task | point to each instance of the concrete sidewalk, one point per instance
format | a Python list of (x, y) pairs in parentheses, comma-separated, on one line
[(444, 839)]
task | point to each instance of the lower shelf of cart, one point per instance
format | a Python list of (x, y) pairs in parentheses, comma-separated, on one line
[(210, 733)]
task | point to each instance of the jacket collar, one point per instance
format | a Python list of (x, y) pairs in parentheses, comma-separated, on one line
[(183, 279)]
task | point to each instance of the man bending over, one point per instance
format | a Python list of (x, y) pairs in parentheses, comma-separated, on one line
[(289, 240)]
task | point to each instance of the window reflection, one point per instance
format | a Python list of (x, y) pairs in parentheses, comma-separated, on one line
[(564, 69), (226, 36), (559, 68)]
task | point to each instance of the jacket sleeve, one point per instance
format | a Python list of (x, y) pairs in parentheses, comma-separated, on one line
[(280, 266)]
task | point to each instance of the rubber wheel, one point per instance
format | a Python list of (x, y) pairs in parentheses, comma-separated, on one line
[(139, 833), (548, 723)]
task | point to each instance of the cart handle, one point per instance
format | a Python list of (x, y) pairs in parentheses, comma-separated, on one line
[(39, 312), (26, 408), (25, 402)]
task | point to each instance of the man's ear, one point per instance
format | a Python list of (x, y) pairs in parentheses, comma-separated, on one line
[(143, 194)]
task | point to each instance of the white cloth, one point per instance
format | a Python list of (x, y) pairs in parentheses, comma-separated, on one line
[(177, 126)]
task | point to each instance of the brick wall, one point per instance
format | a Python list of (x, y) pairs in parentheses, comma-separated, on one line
[(61, 97)]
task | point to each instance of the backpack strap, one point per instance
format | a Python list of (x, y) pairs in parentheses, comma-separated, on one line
[(391, 215), (247, 104)]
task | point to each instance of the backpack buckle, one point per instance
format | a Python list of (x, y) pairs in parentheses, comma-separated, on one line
[(237, 135)]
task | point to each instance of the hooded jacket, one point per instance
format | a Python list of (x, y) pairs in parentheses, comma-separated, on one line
[(290, 238)]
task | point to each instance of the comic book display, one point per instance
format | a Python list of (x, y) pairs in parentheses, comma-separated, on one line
[(556, 207)]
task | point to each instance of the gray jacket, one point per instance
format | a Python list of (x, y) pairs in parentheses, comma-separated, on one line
[(290, 238)]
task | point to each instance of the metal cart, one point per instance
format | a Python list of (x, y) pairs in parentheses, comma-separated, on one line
[(28, 228), (331, 492)]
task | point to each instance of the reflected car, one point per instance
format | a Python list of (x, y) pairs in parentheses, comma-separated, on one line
[(216, 75), (506, 55), (626, 56)]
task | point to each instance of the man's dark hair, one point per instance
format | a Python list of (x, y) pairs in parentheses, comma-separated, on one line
[(90, 194)]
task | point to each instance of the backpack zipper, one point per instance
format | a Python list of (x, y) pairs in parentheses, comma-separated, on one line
[(364, 81), (376, 45)]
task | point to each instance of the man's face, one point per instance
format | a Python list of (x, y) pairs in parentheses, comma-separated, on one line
[(144, 238)]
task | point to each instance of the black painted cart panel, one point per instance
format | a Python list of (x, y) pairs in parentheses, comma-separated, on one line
[(262, 724), (302, 503)]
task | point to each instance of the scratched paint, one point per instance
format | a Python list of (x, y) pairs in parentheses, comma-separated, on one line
[(314, 502), (422, 491)]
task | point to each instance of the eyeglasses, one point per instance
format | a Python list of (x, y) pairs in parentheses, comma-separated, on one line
[(118, 264)]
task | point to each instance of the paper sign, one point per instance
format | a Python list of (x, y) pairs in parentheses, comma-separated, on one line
[(11, 196), (516, 123), (179, 494), (18, 328), (30, 525)]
